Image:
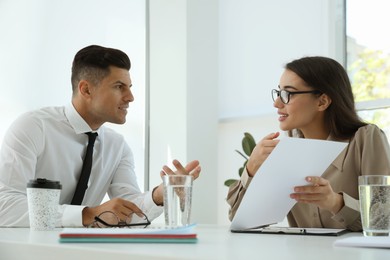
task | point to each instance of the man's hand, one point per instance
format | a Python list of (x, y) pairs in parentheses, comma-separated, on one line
[(120, 207), (192, 168)]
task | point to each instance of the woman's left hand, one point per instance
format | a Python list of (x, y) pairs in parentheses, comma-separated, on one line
[(320, 193)]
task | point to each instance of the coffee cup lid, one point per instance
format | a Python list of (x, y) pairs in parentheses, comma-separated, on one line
[(44, 184)]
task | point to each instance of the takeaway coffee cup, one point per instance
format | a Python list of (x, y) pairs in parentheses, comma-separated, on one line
[(43, 198)]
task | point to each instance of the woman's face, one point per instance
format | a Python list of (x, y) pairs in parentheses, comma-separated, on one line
[(304, 111)]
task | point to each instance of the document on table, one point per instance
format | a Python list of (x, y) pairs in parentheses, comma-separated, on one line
[(294, 231), (267, 199), (361, 241)]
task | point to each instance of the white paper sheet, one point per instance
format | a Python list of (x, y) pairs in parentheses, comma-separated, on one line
[(361, 241), (267, 199)]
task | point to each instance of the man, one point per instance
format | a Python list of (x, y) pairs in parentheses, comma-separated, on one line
[(51, 143)]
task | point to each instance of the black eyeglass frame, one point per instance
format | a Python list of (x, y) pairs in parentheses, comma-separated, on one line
[(122, 224), (289, 94)]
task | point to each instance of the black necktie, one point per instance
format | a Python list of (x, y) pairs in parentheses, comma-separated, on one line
[(82, 185)]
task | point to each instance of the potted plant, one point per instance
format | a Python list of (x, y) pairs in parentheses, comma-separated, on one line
[(248, 144)]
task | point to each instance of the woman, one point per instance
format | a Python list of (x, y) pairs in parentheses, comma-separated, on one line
[(315, 101)]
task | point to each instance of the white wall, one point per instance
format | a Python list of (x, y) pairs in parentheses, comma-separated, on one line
[(256, 39), (39, 40), (183, 94), (217, 61), (212, 65)]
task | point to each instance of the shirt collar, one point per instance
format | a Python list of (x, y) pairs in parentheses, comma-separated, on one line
[(76, 121)]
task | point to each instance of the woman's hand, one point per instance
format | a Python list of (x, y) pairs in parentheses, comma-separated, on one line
[(320, 193), (261, 152)]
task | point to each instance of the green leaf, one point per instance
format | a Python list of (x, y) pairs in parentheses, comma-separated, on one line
[(248, 143), (242, 168), (243, 155), (230, 182), (246, 146), (251, 141), (240, 171)]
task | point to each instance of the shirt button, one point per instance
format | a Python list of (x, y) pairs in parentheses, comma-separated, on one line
[(315, 215)]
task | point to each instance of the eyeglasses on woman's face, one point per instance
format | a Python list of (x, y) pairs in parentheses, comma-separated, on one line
[(285, 95), (108, 219)]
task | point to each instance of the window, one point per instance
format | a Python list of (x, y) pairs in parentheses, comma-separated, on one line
[(368, 59)]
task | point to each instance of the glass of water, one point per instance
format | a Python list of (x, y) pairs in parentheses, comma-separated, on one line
[(177, 200), (374, 196)]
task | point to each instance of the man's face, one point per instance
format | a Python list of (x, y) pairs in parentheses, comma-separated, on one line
[(110, 98)]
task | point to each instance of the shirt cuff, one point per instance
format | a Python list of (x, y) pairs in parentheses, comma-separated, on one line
[(151, 209), (72, 216), (350, 212), (245, 179)]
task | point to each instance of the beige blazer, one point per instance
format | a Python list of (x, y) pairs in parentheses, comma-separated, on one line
[(368, 153)]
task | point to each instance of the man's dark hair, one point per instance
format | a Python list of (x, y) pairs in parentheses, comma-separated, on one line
[(93, 63)]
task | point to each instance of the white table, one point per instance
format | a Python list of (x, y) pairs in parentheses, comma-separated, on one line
[(215, 242)]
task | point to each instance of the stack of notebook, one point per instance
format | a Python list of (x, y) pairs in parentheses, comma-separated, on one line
[(184, 234)]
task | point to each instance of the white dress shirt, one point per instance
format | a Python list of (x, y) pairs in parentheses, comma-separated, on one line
[(50, 143)]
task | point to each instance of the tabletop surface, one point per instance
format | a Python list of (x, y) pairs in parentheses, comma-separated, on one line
[(214, 242)]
